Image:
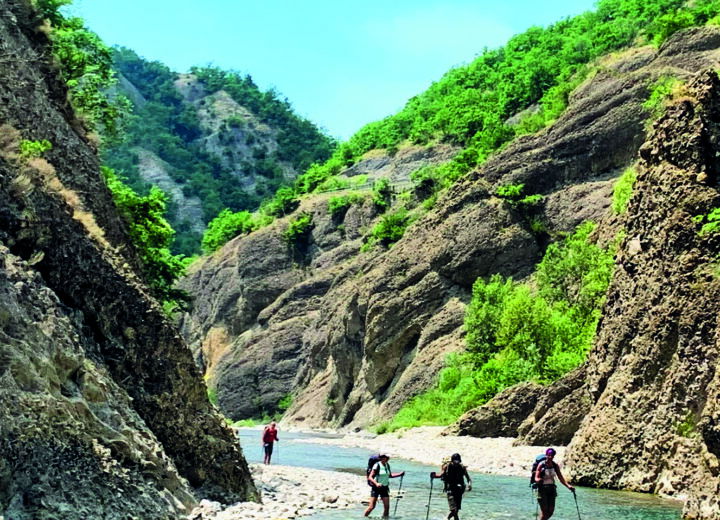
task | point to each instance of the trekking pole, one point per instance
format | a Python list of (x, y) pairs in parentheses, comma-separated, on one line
[(278, 453), (397, 500), (576, 504), (427, 515)]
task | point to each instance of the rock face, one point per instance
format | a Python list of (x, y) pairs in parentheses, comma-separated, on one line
[(653, 371), (643, 413), (101, 405), (355, 335), (502, 416)]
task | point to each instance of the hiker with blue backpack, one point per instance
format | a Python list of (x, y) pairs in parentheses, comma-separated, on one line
[(378, 479), (543, 476)]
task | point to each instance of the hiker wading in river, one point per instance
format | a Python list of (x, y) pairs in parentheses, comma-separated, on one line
[(379, 480), (269, 436), (545, 475), (453, 474)]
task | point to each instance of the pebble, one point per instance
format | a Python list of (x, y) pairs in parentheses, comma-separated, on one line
[(289, 492)]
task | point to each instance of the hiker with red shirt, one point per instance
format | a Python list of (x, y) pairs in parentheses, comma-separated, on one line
[(269, 436)]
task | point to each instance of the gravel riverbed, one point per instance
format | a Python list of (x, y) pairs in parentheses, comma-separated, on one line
[(289, 492), (292, 492)]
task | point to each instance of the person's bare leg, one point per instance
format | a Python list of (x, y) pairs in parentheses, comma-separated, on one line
[(386, 506), (371, 506)]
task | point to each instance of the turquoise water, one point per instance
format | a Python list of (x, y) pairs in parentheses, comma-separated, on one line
[(492, 497)]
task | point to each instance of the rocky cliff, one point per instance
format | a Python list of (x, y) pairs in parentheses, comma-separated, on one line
[(352, 335), (102, 409), (642, 414), (652, 376)]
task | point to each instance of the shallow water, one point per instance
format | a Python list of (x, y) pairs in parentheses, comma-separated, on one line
[(492, 497)]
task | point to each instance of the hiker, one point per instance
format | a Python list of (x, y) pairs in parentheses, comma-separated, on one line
[(269, 436), (379, 480), (453, 474), (545, 474)]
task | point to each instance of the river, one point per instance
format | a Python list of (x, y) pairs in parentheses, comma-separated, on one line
[(492, 497)]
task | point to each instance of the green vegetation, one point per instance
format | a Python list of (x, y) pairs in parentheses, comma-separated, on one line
[(298, 229), (520, 332), (692, 14), (389, 229), (151, 235), (84, 64), (32, 149), (212, 396), (337, 206), (688, 426), (662, 91), (284, 403), (382, 194), (513, 195), (164, 124), (622, 191), (299, 141), (228, 225), (710, 222)]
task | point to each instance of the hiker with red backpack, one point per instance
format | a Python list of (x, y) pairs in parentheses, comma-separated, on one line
[(545, 470), (378, 478)]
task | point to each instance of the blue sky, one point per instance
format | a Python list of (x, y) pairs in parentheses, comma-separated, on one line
[(340, 64)]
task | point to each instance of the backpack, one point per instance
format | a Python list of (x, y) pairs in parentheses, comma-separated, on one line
[(540, 459), (372, 460), (453, 475)]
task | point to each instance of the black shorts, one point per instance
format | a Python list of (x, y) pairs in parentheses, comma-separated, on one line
[(380, 492), (546, 495), (268, 448), (454, 497)]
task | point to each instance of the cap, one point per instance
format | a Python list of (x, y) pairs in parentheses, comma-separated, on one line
[(550, 451)]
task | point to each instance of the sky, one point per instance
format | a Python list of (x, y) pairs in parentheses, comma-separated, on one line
[(341, 64)]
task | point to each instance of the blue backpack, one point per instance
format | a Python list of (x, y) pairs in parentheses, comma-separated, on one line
[(538, 460)]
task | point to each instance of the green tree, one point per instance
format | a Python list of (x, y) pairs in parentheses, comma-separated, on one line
[(151, 235)]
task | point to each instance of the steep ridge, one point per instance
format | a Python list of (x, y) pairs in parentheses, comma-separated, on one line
[(211, 139), (101, 405), (353, 336), (652, 374)]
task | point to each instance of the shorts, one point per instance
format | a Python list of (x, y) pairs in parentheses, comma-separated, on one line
[(454, 498), (268, 448), (546, 495), (380, 492)]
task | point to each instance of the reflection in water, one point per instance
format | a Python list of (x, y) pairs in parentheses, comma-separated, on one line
[(492, 497)]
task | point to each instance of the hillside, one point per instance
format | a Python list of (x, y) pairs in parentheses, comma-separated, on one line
[(211, 139), (350, 303), (101, 405)]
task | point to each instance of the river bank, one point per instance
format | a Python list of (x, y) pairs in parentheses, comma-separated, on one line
[(289, 492), (426, 445)]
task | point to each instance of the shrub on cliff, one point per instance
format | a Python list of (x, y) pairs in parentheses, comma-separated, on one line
[(151, 235), (85, 64), (226, 226), (518, 332), (389, 229), (298, 229), (622, 191)]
